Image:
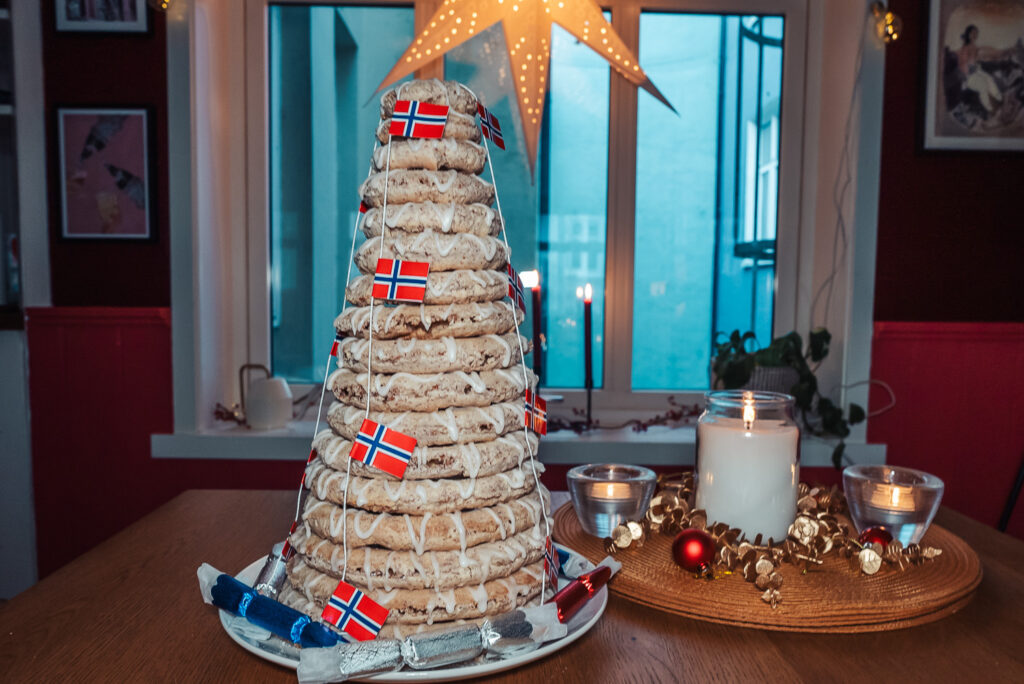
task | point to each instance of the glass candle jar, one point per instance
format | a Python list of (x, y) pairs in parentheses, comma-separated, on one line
[(609, 494), (748, 461), (902, 501)]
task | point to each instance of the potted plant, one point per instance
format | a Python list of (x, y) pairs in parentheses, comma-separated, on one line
[(788, 365)]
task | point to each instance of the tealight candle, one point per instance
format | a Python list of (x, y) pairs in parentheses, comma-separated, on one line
[(902, 501), (748, 462), (606, 495)]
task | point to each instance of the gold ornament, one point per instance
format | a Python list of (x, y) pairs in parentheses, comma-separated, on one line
[(527, 27)]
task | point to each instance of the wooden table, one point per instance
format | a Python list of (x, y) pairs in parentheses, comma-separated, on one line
[(130, 610)]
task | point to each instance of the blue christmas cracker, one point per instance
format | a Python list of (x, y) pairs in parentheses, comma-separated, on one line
[(227, 593)]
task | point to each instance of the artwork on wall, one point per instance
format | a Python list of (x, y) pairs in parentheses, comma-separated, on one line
[(104, 173), (107, 16), (975, 75)]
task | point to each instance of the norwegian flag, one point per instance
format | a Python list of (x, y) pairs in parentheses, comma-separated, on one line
[(354, 613), (414, 119), (401, 280), (515, 289), (383, 448), (286, 550), (363, 207), (336, 347), (552, 563), (489, 126), (536, 413)]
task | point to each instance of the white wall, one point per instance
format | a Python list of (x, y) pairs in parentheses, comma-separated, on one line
[(17, 531)]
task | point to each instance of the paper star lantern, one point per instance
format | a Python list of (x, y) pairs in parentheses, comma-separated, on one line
[(527, 27)]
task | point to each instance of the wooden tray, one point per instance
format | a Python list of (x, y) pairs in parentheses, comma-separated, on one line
[(828, 599)]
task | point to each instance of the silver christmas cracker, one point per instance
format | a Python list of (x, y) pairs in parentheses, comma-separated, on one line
[(273, 574), (508, 634)]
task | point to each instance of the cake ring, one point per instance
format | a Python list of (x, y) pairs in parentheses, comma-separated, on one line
[(416, 217), (435, 91), (455, 531), (429, 605), (451, 426), (444, 252), (429, 321), (459, 126), (475, 459), (444, 287), (374, 567), (419, 496), (431, 392), (432, 154), (418, 185), (486, 352)]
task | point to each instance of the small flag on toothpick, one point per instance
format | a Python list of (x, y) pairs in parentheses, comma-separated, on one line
[(286, 550), (536, 413), (515, 289), (551, 563), (383, 448), (398, 280), (336, 347), (354, 613), (363, 207), (489, 126), (414, 119)]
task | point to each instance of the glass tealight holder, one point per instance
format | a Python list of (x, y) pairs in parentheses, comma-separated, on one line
[(609, 494), (903, 501)]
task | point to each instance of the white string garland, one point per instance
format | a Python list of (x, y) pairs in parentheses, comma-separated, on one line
[(522, 360)]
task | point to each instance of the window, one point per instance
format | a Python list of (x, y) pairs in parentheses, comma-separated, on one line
[(219, 127), (325, 63), (705, 220)]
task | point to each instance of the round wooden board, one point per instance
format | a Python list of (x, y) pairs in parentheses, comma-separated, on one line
[(830, 598)]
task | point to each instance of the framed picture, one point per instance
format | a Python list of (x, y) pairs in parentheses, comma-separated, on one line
[(105, 173), (104, 16), (975, 75)]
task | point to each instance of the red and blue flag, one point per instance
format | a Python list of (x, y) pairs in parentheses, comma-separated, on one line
[(354, 613), (515, 289), (401, 280), (536, 413), (414, 119), (383, 448), (490, 126), (552, 563), (336, 347)]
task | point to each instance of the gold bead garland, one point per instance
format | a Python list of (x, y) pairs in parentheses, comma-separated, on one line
[(817, 532)]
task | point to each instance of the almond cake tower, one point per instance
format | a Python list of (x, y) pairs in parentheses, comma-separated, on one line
[(461, 535)]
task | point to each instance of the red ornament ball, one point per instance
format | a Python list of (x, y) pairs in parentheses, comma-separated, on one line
[(693, 550), (875, 535)]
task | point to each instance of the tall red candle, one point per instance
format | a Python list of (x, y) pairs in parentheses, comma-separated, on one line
[(588, 338), (531, 279)]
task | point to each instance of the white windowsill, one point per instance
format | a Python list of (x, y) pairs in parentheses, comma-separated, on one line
[(656, 446)]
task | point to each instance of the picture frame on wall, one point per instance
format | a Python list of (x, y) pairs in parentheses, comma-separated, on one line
[(105, 173), (975, 75), (102, 16)]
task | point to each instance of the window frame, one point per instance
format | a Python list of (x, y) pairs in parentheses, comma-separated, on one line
[(213, 336)]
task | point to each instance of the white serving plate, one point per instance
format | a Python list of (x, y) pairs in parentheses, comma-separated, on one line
[(277, 651)]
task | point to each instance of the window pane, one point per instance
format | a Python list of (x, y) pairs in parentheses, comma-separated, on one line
[(325, 63), (567, 243), (573, 207), (707, 188)]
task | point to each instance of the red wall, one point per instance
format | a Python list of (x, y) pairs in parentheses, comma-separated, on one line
[(99, 385), (950, 232), (124, 70)]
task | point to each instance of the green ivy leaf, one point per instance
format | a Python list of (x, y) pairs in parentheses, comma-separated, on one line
[(819, 342), (857, 414)]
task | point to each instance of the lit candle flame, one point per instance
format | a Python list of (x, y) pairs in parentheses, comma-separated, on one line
[(579, 293), (531, 279), (588, 293), (748, 410)]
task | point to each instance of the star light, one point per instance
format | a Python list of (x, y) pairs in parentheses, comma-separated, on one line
[(527, 27)]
